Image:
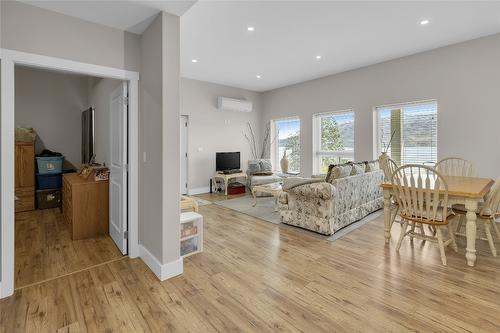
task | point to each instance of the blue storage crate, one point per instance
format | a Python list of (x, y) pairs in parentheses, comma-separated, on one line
[(49, 181), (48, 165)]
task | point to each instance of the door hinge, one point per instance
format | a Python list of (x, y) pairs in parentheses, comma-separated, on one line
[(186, 124), (125, 234), (186, 154)]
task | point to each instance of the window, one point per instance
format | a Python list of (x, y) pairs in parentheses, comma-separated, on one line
[(333, 139), (286, 139), (413, 129)]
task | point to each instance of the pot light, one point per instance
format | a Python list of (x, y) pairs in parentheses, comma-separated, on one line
[(194, 61), (424, 22), (318, 57), (251, 29), (258, 76)]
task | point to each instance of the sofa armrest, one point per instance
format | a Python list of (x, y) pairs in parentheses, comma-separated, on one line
[(322, 190)]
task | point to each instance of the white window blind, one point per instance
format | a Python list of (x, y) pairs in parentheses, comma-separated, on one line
[(286, 135), (413, 128), (333, 139)]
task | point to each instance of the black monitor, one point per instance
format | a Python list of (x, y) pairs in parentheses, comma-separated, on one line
[(227, 161)]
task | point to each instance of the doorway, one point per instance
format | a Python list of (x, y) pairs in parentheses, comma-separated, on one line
[(11, 59)]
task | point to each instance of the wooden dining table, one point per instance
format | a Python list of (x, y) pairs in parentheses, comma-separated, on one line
[(469, 191)]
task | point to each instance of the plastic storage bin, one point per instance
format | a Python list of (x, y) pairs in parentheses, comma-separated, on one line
[(48, 199), (49, 181), (48, 165)]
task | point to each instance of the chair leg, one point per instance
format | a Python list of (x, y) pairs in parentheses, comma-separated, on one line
[(487, 229), (412, 230), (422, 230), (452, 236), (441, 244), (402, 235), (495, 226)]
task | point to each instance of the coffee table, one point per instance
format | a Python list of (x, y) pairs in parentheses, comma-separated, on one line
[(273, 188)]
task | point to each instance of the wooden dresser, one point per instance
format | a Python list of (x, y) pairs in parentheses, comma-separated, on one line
[(25, 176), (85, 206)]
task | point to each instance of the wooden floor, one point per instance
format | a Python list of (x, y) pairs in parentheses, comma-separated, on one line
[(44, 249), (255, 276)]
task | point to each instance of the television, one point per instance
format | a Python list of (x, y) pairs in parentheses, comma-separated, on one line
[(227, 161)]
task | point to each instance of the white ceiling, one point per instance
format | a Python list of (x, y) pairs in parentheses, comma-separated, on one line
[(289, 34), (132, 16)]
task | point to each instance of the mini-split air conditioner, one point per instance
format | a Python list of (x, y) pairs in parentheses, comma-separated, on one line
[(234, 105)]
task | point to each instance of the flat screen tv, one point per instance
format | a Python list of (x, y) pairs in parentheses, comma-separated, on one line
[(227, 161)]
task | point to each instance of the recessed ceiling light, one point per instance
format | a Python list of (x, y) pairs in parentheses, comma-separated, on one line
[(318, 57), (194, 60), (258, 76), (251, 29), (424, 22)]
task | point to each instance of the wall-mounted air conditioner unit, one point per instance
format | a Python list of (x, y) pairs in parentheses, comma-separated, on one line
[(235, 105)]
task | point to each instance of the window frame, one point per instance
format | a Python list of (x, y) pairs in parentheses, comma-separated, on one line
[(317, 152), (377, 149), (274, 151)]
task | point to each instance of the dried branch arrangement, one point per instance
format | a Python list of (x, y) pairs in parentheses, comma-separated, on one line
[(266, 143)]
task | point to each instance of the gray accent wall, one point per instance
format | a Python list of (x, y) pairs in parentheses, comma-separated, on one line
[(464, 78), (211, 130), (35, 30), (52, 103)]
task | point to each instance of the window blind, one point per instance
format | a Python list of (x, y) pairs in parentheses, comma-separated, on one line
[(413, 128)]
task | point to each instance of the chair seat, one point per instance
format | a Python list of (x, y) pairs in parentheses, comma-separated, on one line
[(439, 219)]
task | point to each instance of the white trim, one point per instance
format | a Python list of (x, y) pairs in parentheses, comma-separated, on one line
[(199, 190), (10, 58), (162, 271)]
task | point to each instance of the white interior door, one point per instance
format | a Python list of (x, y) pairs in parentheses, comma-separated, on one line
[(184, 153), (118, 167)]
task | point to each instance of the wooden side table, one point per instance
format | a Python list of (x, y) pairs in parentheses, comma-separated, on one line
[(227, 177)]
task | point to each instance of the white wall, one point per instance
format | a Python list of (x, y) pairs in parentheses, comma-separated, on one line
[(52, 103), (211, 130), (463, 78), (100, 91)]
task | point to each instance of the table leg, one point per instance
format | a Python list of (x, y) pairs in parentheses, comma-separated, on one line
[(471, 230), (387, 215), (226, 181), (276, 203), (254, 198)]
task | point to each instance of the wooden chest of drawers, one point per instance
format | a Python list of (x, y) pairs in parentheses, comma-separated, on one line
[(85, 206), (25, 176)]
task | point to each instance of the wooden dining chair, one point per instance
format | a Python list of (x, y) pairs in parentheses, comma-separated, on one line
[(388, 167), (422, 195), (487, 213), (456, 166)]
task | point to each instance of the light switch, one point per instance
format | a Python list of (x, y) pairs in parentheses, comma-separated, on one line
[(144, 157)]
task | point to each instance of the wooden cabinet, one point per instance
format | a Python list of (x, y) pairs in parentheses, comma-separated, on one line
[(25, 176), (85, 205)]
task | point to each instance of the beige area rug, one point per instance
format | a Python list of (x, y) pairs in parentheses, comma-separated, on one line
[(264, 210)]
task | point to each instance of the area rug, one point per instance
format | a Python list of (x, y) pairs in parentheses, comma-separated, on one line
[(264, 210)]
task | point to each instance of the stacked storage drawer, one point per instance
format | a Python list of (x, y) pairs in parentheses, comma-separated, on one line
[(49, 181)]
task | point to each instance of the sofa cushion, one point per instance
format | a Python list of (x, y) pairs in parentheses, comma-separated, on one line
[(261, 180), (341, 171), (253, 167)]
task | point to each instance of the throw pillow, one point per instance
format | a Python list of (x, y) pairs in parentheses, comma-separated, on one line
[(372, 166), (266, 165), (341, 171), (253, 167), (358, 169)]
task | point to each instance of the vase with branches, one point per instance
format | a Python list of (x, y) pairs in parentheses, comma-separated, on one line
[(249, 135)]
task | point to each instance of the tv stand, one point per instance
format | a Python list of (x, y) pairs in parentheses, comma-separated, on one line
[(227, 177)]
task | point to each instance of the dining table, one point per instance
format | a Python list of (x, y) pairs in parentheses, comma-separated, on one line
[(469, 191)]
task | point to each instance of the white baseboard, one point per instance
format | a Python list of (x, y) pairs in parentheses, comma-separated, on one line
[(199, 190), (162, 271)]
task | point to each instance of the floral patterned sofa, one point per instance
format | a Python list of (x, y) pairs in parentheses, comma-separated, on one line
[(327, 207)]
